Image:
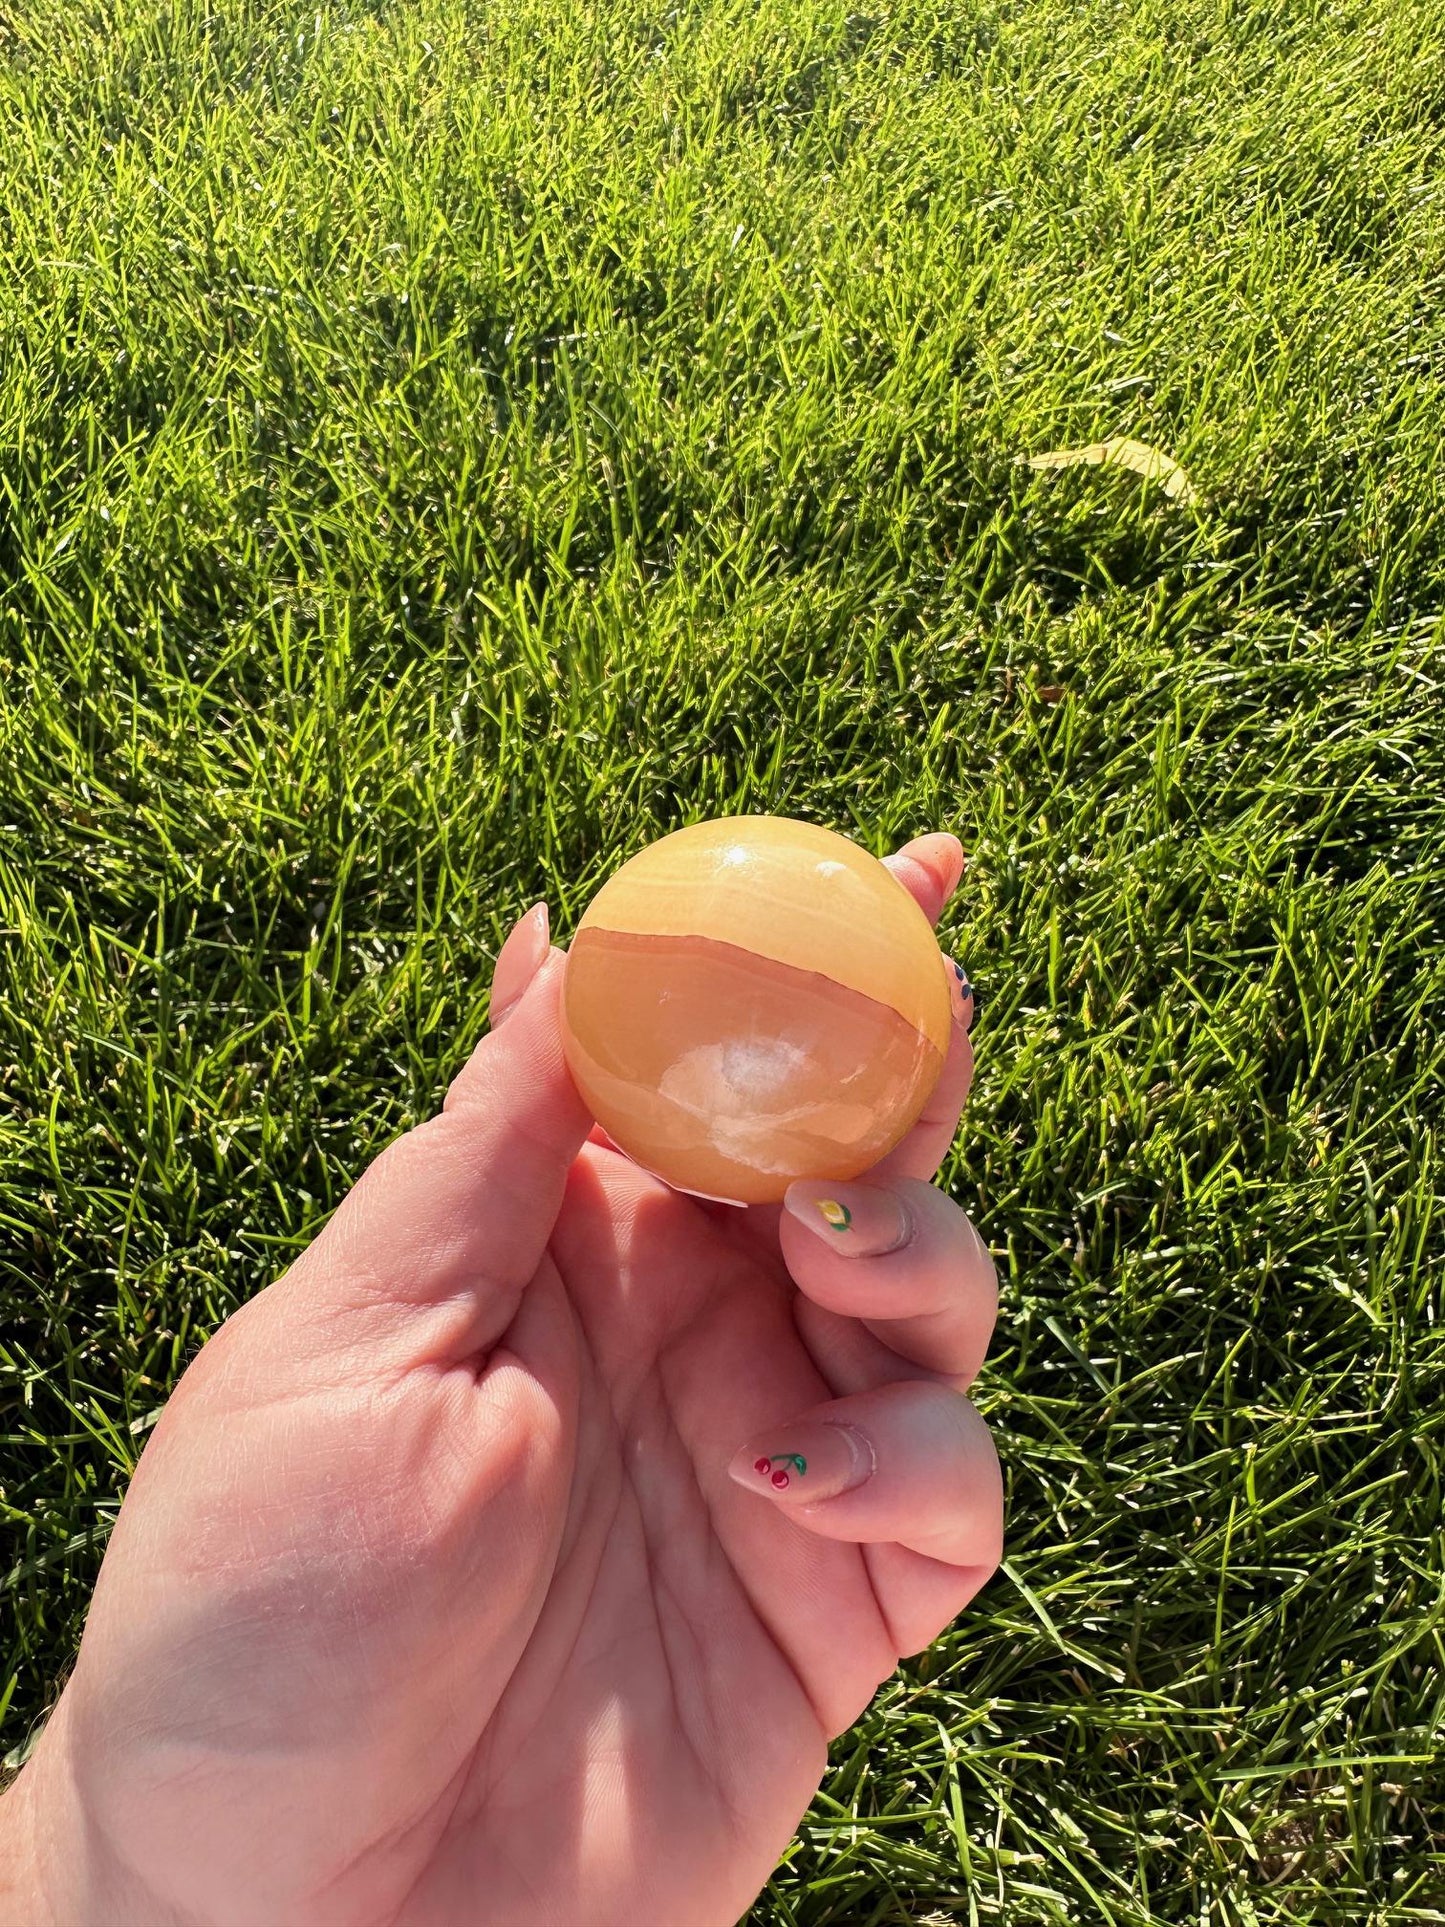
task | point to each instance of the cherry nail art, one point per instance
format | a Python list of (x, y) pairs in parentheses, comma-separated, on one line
[(775, 1469)]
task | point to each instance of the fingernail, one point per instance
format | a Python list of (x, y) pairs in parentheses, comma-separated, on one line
[(961, 992), (518, 961), (815, 1459), (860, 1220)]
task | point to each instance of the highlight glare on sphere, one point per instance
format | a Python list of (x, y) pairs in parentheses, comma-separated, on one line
[(754, 1000)]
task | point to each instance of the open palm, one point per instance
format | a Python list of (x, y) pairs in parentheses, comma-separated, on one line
[(433, 1600)]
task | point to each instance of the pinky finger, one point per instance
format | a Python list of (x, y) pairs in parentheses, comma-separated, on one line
[(908, 1464)]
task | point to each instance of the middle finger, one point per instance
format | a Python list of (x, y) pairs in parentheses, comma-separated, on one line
[(927, 1144)]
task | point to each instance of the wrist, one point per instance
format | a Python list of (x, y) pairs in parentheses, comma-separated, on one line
[(54, 1871), (22, 1896)]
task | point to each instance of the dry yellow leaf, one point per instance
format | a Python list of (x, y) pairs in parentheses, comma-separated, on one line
[(1119, 452)]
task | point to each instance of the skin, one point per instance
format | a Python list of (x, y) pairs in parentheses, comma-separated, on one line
[(433, 1602)]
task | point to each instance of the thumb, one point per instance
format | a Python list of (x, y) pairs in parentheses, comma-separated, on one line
[(460, 1209)]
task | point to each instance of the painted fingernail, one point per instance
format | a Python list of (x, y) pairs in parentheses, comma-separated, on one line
[(815, 1459), (518, 961), (960, 991), (860, 1220)]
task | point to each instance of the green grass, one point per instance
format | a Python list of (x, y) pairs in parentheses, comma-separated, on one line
[(443, 446)]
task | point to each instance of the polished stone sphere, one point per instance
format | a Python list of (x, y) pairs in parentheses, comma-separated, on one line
[(754, 1000)]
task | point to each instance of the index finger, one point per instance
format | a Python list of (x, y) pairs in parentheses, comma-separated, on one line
[(930, 869)]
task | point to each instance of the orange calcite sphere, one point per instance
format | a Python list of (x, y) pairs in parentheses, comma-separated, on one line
[(754, 1000)]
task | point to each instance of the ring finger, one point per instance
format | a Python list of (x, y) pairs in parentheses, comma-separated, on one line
[(901, 1258)]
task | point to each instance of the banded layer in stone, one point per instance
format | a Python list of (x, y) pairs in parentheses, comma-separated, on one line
[(730, 1073)]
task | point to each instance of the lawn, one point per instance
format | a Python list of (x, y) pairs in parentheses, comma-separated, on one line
[(444, 446)]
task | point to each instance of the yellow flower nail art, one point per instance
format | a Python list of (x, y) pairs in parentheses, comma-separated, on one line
[(837, 1215)]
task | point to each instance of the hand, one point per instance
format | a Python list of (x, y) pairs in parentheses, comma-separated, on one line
[(432, 1602)]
